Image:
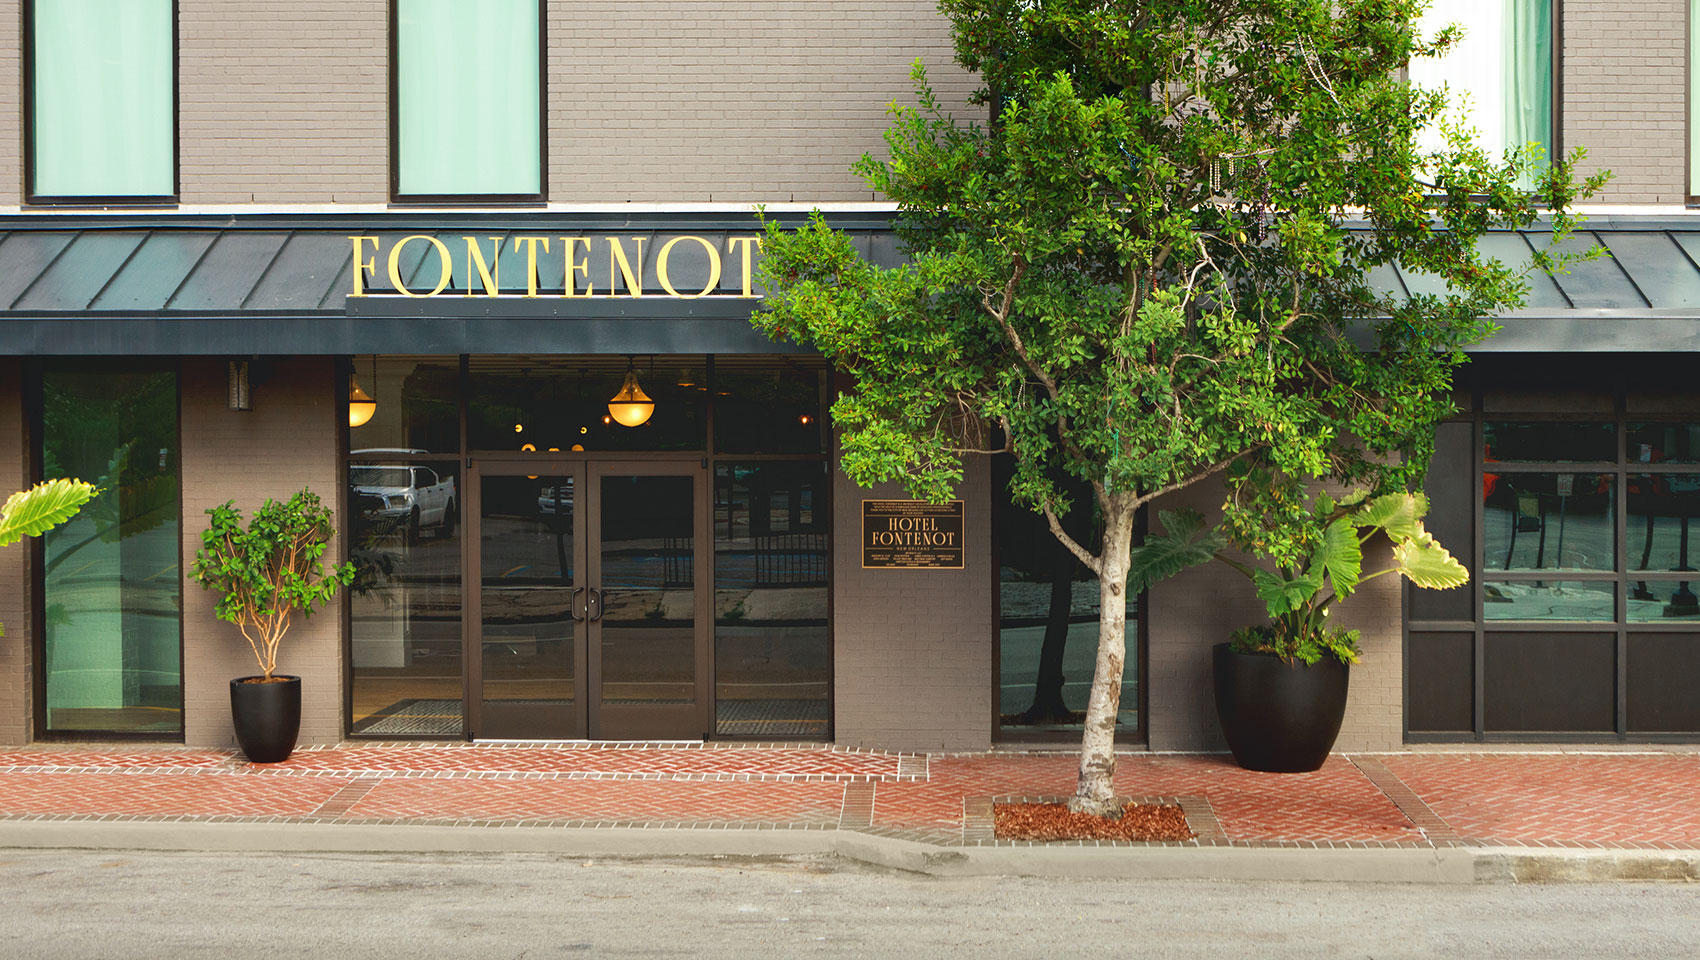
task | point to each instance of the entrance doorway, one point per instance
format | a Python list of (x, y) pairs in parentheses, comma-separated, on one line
[(589, 615)]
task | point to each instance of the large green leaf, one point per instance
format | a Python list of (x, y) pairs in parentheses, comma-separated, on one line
[(1428, 564), (32, 512), (1283, 596), (1340, 557), (1399, 515), (1184, 543)]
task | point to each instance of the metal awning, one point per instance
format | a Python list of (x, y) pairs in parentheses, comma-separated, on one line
[(254, 284)]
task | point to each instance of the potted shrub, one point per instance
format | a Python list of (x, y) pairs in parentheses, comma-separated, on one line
[(265, 572), (1281, 686), (33, 512)]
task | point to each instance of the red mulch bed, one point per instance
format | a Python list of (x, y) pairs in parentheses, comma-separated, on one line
[(1052, 821)]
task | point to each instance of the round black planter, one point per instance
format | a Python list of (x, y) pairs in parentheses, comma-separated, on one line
[(1279, 717), (267, 716)]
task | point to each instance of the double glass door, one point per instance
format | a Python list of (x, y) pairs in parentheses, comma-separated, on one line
[(589, 619)]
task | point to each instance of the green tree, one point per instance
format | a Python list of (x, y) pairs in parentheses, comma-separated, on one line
[(1144, 272), (269, 569), (33, 512)]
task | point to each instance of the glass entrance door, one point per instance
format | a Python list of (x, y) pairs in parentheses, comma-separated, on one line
[(587, 620)]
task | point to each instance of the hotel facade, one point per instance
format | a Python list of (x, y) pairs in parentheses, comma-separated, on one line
[(483, 283)]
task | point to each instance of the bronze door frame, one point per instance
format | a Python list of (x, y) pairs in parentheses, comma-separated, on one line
[(586, 718)]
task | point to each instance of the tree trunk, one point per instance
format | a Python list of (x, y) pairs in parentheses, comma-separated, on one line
[(1096, 790), (1048, 705)]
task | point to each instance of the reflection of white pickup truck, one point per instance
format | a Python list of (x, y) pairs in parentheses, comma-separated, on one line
[(416, 495)]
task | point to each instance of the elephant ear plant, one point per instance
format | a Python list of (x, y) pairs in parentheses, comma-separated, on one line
[(33, 512), (1321, 566), (269, 569)]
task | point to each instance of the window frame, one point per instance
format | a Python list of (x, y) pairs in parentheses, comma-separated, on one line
[(1620, 627), (397, 197), (34, 373), (30, 197), (1555, 149)]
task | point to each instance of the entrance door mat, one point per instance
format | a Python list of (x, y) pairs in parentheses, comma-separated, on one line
[(414, 717), (764, 719)]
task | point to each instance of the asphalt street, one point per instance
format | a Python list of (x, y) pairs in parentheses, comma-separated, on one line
[(56, 904)]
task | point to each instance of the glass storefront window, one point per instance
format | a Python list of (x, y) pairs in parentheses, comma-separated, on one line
[(1548, 521), (772, 639), (1662, 509), (1579, 600), (418, 405), (1664, 442), (779, 408), (1048, 607), (542, 404), (1661, 600), (1510, 441), (112, 643), (404, 604)]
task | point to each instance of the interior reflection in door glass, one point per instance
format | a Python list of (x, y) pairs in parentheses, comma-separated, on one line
[(648, 590), (526, 551)]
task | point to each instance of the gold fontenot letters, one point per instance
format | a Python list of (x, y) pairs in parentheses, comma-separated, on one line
[(624, 269)]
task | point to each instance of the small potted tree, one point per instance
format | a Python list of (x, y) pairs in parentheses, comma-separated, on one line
[(265, 572), (1281, 686)]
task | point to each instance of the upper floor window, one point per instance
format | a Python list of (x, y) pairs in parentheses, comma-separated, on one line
[(102, 91), (1501, 75), (467, 102)]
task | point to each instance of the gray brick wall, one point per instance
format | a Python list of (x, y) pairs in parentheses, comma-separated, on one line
[(284, 101), (288, 441), (287, 101), (709, 100), (16, 647), (1198, 609), (11, 92), (1625, 94), (912, 649)]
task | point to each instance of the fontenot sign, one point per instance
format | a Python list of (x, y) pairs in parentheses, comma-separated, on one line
[(912, 534), (484, 264)]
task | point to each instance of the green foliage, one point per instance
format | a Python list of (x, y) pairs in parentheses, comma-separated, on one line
[(269, 569), (1342, 645), (33, 512), (1186, 543), (1327, 544), (1154, 266)]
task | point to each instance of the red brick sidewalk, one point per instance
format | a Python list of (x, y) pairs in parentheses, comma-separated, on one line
[(1398, 800)]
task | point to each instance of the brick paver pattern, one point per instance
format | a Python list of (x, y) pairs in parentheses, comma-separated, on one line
[(1580, 800), (1619, 800)]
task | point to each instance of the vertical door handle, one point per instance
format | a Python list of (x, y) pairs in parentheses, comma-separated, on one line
[(572, 605), (593, 603)]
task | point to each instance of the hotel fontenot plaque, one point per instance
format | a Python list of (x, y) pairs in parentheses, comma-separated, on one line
[(912, 534)]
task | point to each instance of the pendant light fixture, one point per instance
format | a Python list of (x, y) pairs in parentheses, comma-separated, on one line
[(360, 406), (631, 406)]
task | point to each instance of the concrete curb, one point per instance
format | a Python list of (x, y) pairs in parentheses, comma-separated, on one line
[(1446, 865)]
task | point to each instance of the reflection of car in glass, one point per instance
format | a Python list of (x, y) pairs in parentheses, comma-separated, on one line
[(555, 499), (414, 495)]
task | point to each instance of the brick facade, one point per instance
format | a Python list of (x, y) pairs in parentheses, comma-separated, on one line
[(1192, 612), (17, 646), (912, 649), (288, 441), (686, 101), (1625, 95)]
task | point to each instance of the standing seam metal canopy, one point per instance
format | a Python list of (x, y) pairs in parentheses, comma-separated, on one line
[(280, 285)]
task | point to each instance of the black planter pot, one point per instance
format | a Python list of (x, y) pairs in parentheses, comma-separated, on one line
[(267, 716), (1279, 717)]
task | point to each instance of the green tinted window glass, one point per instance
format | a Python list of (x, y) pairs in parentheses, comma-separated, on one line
[(111, 577), (102, 80), (467, 88)]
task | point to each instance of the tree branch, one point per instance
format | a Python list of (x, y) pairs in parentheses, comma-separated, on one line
[(1080, 552)]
